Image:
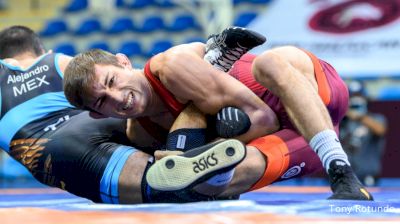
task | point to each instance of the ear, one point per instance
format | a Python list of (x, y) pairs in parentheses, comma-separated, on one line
[(124, 60), (96, 115)]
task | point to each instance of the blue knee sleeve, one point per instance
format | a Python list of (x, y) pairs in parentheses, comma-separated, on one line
[(186, 138)]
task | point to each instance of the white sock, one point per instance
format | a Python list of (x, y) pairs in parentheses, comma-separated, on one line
[(327, 146)]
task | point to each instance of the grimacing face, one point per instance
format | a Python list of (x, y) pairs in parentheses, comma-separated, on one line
[(117, 92)]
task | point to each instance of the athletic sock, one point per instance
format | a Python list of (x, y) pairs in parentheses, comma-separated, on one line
[(327, 146)]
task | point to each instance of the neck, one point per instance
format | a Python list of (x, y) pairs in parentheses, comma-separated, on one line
[(26, 56), (25, 59), (155, 106)]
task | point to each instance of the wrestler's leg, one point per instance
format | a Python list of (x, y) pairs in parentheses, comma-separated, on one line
[(286, 154), (290, 73), (247, 173), (188, 132), (297, 89), (130, 178)]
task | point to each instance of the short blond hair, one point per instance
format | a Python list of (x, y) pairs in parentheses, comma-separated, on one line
[(79, 75)]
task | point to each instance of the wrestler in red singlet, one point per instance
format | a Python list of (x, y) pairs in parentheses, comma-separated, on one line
[(289, 155)]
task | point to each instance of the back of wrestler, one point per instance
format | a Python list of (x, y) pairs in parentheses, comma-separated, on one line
[(61, 146), (31, 89)]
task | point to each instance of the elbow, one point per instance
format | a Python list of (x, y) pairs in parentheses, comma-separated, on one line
[(267, 122), (270, 122)]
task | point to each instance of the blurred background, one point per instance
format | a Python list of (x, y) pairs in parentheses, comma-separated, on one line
[(360, 38)]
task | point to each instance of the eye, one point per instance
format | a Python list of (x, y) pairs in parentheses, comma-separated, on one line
[(111, 82)]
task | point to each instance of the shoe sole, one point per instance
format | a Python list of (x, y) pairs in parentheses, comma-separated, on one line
[(250, 34), (173, 173)]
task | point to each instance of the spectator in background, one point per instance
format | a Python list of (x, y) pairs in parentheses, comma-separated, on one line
[(362, 134)]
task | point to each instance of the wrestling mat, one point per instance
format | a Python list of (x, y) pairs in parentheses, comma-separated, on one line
[(273, 204)]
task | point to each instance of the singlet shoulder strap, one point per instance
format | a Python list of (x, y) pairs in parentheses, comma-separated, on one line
[(173, 105)]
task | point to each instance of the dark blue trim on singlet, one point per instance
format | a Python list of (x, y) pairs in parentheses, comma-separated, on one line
[(38, 107), (58, 65), (109, 181)]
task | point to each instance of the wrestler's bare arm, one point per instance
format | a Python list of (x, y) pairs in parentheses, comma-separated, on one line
[(184, 72)]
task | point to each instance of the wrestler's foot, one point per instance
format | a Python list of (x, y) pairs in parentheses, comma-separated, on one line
[(173, 173), (224, 49), (344, 183)]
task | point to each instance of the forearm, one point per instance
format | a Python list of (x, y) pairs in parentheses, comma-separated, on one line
[(190, 117), (188, 130), (377, 127), (262, 123), (263, 119)]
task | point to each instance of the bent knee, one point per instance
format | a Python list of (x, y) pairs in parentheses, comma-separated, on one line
[(269, 69)]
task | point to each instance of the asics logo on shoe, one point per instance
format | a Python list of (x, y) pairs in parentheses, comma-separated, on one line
[(205, 163)]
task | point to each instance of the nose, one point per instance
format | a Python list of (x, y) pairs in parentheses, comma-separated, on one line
[(115, 97)]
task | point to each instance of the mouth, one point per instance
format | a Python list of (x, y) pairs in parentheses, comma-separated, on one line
[(129, 102)]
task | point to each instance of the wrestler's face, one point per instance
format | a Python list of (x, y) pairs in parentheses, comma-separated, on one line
[(118, 92)]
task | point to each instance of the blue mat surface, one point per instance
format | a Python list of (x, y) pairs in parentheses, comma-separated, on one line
[(283, 200)]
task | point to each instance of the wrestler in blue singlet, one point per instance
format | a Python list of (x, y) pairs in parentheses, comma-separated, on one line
[(61, 146)]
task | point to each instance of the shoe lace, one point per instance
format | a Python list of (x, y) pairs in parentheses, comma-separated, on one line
[(228, 56)]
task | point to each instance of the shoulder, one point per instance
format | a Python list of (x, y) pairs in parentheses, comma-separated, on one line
[(11, 61), (174, 58), (63, 61)]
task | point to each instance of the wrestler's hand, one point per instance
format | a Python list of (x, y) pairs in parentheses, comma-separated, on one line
[(159, 154)]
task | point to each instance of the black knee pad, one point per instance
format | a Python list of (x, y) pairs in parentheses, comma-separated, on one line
[(231, 122), (150, 195), (186, 138)]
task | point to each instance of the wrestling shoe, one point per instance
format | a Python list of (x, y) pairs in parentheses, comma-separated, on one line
[(178, 172), (224, 49), (344, 183)]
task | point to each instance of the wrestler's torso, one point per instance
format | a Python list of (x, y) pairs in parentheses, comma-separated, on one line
[(28, 95)]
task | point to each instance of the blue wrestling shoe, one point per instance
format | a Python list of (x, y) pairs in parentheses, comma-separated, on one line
[(344, 183), (224, 49), (195, 166)]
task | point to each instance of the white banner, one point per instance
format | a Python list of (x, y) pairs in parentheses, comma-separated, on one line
[(360, 38)]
